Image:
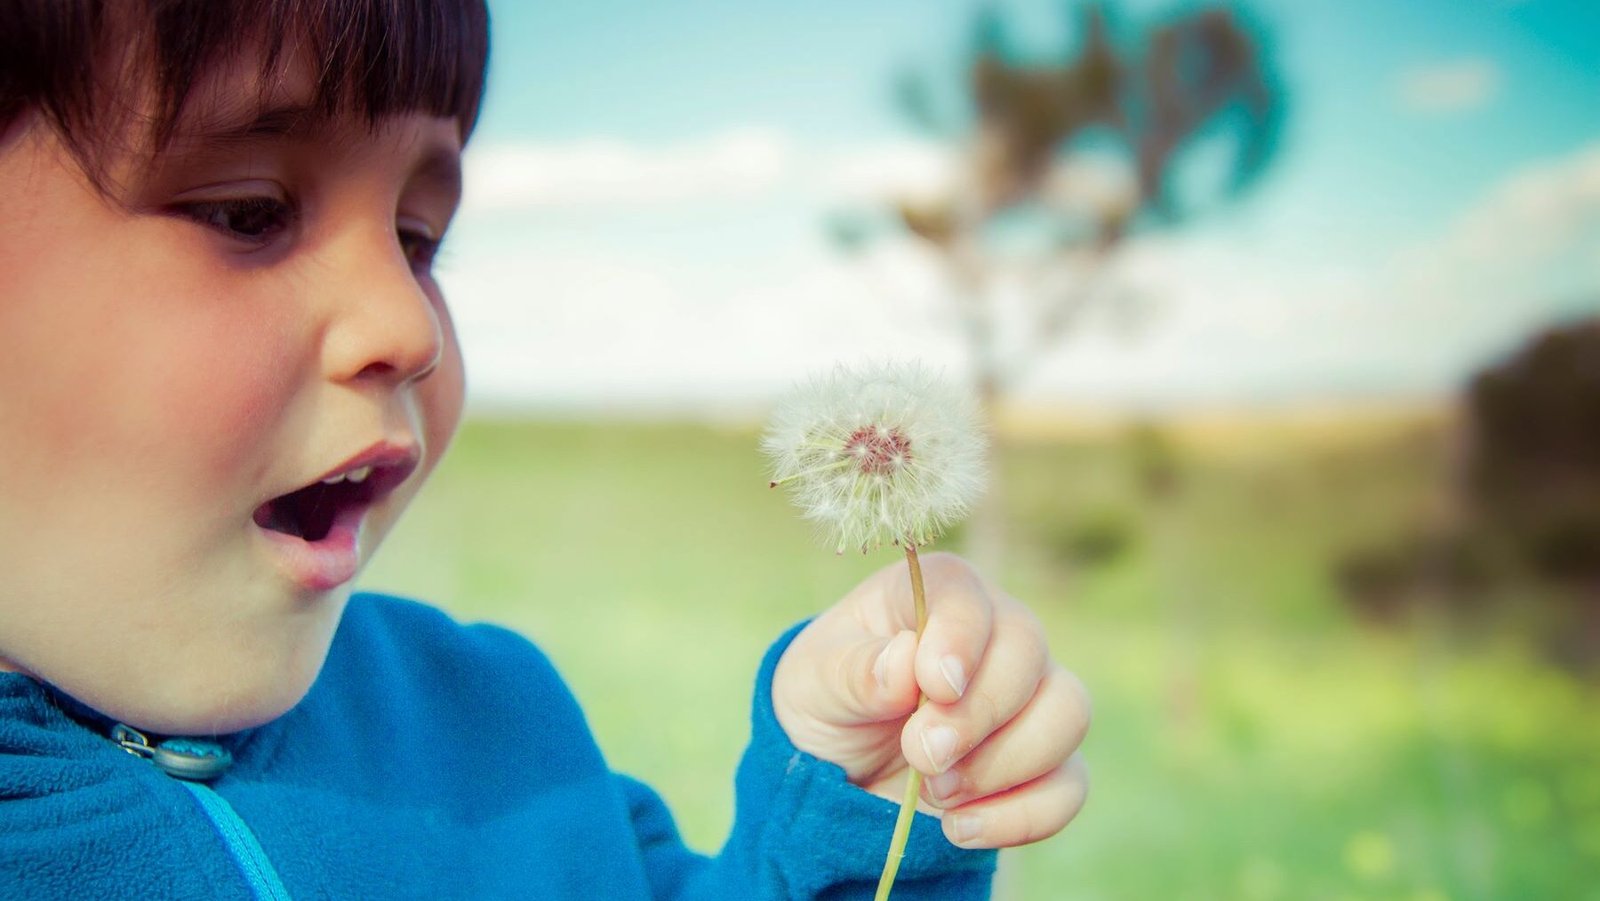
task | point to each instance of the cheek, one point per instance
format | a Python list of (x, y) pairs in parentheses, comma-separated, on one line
[(141, 377), (198, 386), (221, 385)]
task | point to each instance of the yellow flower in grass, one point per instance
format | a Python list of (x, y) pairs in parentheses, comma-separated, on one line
[(881, 454)]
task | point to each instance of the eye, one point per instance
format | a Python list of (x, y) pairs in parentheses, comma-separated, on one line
[(254, 220), (420, 248)]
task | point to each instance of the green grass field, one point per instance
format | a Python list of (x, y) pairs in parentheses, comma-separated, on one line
[(1251, 741)]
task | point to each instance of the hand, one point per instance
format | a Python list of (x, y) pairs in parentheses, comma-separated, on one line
[(997, 741)]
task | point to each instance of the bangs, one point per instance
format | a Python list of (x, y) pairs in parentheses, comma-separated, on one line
[(371, 58), (75, 60)]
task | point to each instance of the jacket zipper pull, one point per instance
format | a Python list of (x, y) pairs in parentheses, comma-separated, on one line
[(180, 758)]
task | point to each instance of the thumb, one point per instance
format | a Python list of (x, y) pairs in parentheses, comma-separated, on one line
[(870, 680), (843, 694), (845, 680)]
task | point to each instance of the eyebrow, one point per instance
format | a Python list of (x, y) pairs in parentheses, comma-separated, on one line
[(282, 120), (440, 169)]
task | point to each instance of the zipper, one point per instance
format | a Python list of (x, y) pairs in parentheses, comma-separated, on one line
[(191, 763)]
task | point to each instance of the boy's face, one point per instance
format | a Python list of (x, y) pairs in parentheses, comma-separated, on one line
[(252, 312)]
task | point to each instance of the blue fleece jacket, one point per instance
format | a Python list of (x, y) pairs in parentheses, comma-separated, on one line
[(432, 760)]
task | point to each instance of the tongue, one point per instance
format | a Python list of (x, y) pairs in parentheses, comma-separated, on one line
[(306, 514), (313, 510)]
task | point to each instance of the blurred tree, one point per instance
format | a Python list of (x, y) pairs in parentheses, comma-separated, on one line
[(1058, 164), (1533, 470)]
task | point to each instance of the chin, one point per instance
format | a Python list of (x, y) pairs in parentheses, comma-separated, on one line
[(219, 707), (225, 693), (243, 711)]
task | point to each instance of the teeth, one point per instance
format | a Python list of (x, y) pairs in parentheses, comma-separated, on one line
[(357, 475)]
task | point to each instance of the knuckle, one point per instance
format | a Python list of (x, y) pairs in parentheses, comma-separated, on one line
[(1070, 702), (1078, 695), (1038, 646), (1055, 806), (945, 565), (1024, 614), (1034, 628), (951, 576), (984, 708), (1027, 645)]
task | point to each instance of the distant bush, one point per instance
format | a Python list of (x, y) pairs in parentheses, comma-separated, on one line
[(1376, 582), (1531, 480), (1383, 582), (1534, 463), (1096, 536)]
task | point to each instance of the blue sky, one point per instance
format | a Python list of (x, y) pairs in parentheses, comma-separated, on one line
[(605, 261)]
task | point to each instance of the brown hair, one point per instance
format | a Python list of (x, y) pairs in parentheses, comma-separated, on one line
[(372, 57)]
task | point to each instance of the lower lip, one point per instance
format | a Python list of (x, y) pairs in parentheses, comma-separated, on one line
[(325, 564)]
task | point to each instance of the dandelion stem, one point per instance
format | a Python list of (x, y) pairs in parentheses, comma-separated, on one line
[(908, 804), (917, 594)]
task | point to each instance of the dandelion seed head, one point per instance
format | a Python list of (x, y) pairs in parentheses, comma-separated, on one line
[(881, 454), (878, 450)]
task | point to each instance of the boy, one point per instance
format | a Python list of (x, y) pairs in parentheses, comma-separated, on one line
[(227, 370)]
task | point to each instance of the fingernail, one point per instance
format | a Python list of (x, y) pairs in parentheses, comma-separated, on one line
[(880, 668), (964, 827), (954, 673), (943, 785), (939, 743)]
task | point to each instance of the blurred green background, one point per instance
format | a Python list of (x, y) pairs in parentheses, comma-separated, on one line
[(1253, 739), (1287, 313)]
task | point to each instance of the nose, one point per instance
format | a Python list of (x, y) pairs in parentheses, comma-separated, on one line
[(385, 326)]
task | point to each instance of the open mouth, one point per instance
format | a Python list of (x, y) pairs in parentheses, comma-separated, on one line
[(309, 513)]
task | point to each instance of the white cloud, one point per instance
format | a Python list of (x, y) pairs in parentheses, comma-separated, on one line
[(1540, 210), (920, 171), (606, 172), (1454, 86), (1538, 215), (603, 325), (747, 162), (913, 170), (602, 332), (1239, 324), (598, 332), (1519, 257)]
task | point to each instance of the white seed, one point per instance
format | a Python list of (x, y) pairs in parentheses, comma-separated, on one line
[(878, 454)]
